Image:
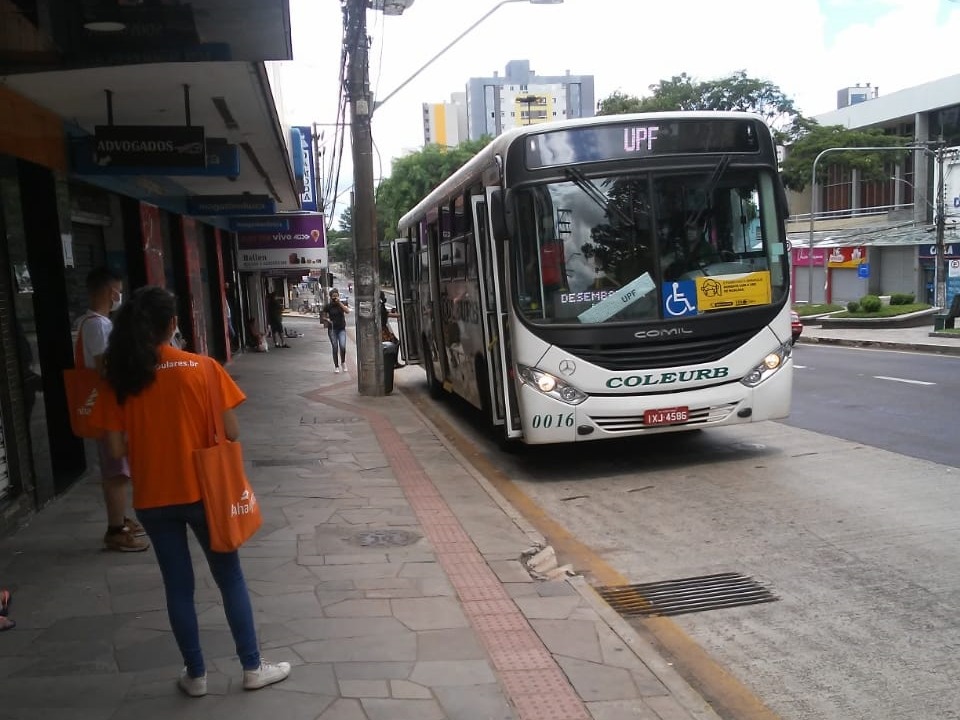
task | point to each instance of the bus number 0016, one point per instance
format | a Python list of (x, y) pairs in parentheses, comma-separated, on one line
[(552, 421)]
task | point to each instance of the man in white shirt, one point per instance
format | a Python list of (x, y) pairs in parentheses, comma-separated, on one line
[(105, 290)]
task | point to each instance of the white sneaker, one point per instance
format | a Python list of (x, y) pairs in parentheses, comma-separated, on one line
[(267, 674), (336, 369), (194, 687)]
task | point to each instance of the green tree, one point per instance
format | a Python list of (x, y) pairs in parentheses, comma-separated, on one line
[(340, 247), (734, 92), (812, 139), (345, 221), (413, 176)]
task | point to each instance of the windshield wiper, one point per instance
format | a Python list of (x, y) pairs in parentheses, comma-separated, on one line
[(594, 193), (722, 164)]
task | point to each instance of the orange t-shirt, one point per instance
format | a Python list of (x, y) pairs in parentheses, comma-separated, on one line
[(164, 424)]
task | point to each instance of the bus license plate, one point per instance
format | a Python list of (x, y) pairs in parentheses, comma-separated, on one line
[(666, 416)]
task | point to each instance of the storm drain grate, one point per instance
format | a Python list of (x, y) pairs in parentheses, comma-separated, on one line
[(384, 538), (686, 595)]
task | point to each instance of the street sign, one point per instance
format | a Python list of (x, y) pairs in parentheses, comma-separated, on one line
[(863, 270), (149, 146), (222, 160)]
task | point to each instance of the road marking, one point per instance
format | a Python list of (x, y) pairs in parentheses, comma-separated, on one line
[(799, 367), (902, 380), (709, 677)]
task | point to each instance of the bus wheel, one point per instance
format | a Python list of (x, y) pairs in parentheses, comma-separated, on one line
[(434, 387)]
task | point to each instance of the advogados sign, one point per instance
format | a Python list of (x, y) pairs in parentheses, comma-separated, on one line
[(150, 146)]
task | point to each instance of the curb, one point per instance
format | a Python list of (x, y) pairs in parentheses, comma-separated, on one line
[(881, 345), (642, 647), (679, 689)]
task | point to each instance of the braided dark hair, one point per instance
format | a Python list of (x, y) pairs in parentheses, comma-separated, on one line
[(140, 327)]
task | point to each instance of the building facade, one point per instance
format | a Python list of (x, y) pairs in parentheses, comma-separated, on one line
[(891, 223), (197, 139), (521, 97), (446, 123)]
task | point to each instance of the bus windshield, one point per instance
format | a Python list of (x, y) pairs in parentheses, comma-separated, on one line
[(648, 246)]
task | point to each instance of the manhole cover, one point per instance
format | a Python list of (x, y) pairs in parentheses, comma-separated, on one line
[(384, 538), (686, 595)]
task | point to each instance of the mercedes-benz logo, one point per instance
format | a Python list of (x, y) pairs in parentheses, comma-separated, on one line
[(567, 367)]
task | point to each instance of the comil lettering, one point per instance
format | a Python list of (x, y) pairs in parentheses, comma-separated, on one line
[(637, 139)]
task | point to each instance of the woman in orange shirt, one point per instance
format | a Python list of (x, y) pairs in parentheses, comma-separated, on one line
[(158, 414)]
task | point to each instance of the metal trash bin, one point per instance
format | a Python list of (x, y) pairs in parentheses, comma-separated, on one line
[(391, 351), (942, 321)]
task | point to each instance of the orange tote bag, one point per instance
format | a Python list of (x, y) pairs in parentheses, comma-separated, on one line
[(82, 386), (232, 510)]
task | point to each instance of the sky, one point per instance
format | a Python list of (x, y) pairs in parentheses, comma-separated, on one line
[(809, 48)]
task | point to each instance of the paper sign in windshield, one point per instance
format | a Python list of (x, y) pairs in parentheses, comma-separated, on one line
[(733, 291), (618, 300)]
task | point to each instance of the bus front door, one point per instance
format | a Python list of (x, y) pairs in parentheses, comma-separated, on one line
[(405, 267), (493, 291)]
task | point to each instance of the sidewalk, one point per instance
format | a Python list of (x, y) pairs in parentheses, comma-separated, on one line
[(386, 572), (909, 338)]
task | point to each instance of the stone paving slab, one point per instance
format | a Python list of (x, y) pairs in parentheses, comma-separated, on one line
[(387, 573)]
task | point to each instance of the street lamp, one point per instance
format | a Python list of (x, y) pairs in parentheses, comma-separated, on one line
[(457, 39), (813, 200), (370, 373), (912, 187)]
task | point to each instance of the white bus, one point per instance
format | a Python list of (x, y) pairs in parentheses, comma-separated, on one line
[(605, 277)]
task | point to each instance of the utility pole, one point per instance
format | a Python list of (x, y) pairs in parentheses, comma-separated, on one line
[(370, 379), (939, 271)]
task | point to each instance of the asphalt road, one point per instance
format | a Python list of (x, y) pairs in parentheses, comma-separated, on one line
[(900, 401), (857, 543)]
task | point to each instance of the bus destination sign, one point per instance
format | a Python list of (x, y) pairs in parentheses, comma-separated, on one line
[(620, 141)]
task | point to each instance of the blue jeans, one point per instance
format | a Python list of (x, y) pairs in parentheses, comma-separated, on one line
[(338, 341), (167, 530)]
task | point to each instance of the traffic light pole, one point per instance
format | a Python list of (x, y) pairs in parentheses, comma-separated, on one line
[(370, 380)]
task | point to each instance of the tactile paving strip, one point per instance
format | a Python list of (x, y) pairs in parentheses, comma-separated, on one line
[(534, 682), (502, 622)]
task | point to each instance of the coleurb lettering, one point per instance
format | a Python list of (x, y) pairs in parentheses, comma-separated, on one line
[(667, 378)]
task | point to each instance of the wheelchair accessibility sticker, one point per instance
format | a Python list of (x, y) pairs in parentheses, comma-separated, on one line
[(680, 298)]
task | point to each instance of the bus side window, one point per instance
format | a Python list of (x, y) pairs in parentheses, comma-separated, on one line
[(471, 246)]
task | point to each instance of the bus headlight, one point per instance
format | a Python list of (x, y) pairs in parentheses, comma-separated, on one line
[(550, 386), (771, 363)]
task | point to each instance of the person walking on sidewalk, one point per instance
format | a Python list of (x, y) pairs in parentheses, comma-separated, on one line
[(158, 411), (335, 317), (105, 292), (386, 332), (275, 318)]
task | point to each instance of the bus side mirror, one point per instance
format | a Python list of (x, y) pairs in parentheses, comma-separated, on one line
[(503, 221)]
